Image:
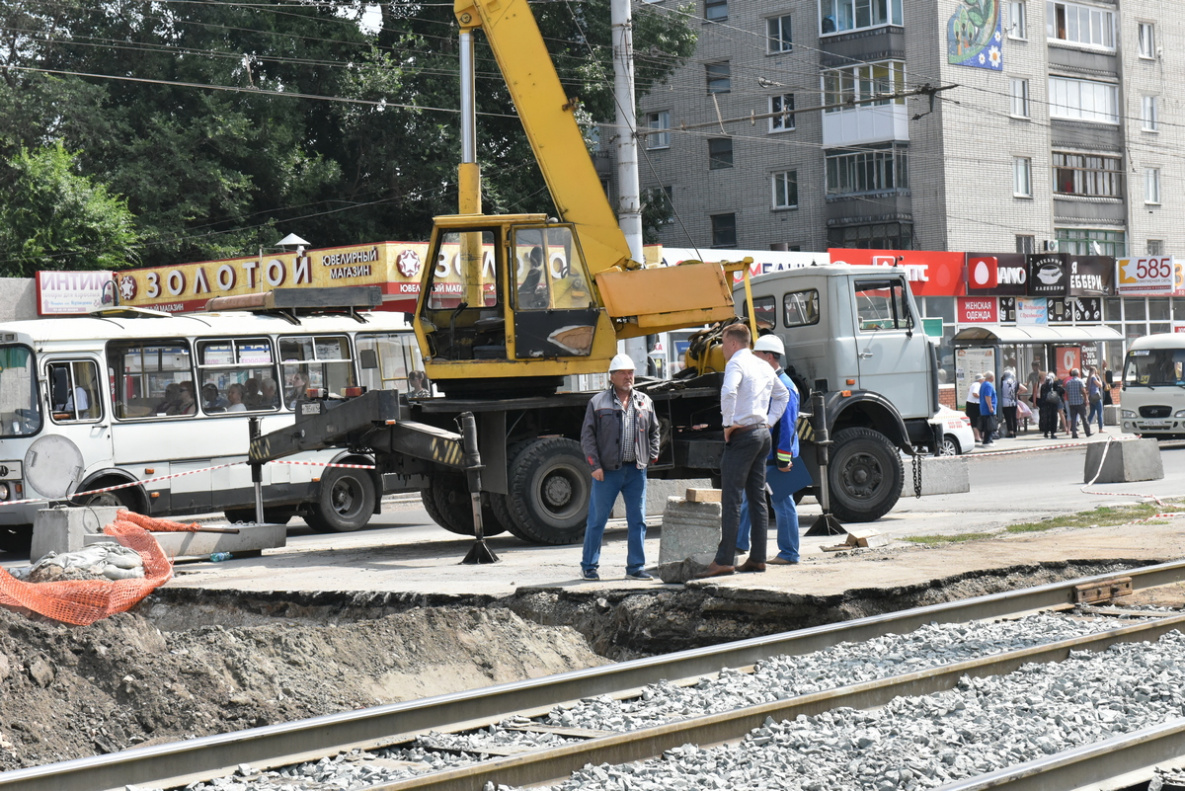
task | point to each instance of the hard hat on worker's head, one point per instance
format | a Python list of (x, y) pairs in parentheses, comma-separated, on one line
[(621, 362), (770, 343)]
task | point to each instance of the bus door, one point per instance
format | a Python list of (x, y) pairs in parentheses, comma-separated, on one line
[(75, 406)]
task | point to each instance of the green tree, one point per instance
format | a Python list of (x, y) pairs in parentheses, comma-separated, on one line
[(51, 217)]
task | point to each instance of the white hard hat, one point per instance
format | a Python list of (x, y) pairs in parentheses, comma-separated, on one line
[(770, 343), (621, 362)]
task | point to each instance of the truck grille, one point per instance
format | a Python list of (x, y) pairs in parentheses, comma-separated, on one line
[(1155, 411)]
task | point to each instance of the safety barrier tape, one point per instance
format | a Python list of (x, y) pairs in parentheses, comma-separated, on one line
[(159, 478)]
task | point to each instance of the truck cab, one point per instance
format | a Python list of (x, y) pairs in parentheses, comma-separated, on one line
[(1152, 402)]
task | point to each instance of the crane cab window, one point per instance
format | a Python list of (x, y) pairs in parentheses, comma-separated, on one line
[(549, 270), (465, 274), (74, 391), (882, 305)]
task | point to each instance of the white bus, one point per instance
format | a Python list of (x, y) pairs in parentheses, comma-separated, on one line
[(1152, 403), (131, 395)]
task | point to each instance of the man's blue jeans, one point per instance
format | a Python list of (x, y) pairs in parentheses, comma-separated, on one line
[(785, 512), (742, 471), (630, 482)]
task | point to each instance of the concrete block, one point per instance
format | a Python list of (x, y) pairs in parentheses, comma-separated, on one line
[(689, 531), (250, 538), (703, 495), (66, 528), (940, 475), (658, 492), (1110, 414), (1123, 462)]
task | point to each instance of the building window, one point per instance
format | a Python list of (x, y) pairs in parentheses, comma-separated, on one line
[(1087, 174), (1083, 100), (719, 153), (853, 173), (1080, 24), (1150, 114), (1020, 98), (659, 120), (785, 187), (1018, 22), (1156, 247), (719, 77), (1026, 243), (1147, 35), (777, 34), (1089, 241), (1022, 177), (784, 105), (843, 87), (724, 230), (877, 236), (715, 10), (1152, 185), (838, 16)]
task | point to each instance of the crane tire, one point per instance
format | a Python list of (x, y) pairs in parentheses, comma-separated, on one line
[(865, 475), (452, 509), (550, 486)]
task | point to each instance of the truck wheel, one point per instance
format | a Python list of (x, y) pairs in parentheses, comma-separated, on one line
[(500, 505), (865, 475), (452, 509), (345, 502), (550, 484)]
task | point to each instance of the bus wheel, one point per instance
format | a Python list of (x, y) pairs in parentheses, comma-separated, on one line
[(452, 508), (865, 475), (550, 486), (345, 503), (120, 498), (16, 538)]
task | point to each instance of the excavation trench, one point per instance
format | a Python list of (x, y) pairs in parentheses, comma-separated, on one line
[(192, 662)]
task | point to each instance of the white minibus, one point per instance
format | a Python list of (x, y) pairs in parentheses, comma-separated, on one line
[(1152, 402), (163, 401)]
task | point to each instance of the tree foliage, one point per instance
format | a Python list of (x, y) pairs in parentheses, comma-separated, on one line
[(339, 134), (50, 213)]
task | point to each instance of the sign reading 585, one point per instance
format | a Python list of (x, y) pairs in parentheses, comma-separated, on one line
[(1146, 274)]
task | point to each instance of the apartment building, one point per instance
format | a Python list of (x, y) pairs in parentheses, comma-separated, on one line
[(957, 125)]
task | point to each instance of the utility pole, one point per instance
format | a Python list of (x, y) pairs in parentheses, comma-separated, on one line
[(629, 202)]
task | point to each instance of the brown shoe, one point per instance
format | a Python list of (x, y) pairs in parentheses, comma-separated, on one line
[(751, 566), (778, 560), (715, 570)]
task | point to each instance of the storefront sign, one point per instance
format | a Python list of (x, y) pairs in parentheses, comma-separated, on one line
[(73, 293), (997, 274), (1049, 275), (1145, 275), (978, 310), (1032, 311), (1091, 276), (930, 273)]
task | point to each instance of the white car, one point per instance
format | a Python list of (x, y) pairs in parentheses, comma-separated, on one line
[(957, 436)]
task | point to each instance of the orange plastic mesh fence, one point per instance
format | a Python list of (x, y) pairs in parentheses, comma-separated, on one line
[(82, 602)]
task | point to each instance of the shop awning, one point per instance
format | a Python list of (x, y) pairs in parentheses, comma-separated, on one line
[(991, 334)]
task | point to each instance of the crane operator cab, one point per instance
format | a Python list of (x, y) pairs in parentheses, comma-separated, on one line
[(508, 308)]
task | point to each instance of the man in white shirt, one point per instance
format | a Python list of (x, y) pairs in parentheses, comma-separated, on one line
[(751, 400)]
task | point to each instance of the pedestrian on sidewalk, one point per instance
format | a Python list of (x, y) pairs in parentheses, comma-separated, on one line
[(1050, 404), (751, 400), (971, 409), (1036, 379), (780, 462), (1094, 394), (1008, 398), (1076, 403), (619, 438), (987, 408)]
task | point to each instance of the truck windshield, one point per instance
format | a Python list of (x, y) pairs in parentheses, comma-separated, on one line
[(19, 413), (1154, 367)]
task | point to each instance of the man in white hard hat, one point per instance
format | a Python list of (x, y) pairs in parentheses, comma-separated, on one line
[(780, 462), (619, 438)]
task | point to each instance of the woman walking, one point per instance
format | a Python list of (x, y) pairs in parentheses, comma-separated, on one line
[(1094, 393), (1008, 401), (1051, 400)]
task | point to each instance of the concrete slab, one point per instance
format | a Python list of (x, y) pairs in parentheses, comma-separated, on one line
[(1123, 462), (249, 540), (66, 528), (689, 531), (940, 475), (658, 492)]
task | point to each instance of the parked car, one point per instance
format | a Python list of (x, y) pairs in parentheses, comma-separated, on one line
[(957, 436)]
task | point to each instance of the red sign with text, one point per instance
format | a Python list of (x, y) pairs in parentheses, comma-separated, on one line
[(930, 273), (979, 310)]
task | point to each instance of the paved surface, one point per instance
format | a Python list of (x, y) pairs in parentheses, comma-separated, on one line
[(1020, 480)]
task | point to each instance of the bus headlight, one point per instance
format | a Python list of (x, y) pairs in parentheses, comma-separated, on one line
[(1127, 412), (5, 492)]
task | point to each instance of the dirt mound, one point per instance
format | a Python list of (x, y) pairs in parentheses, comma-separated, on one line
[(68, 692)]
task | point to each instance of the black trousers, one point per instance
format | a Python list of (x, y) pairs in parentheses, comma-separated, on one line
[(742, 469)]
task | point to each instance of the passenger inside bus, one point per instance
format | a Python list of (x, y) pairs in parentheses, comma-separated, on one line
[(212, 400), (235, 395), (298, 386), (270, 397)]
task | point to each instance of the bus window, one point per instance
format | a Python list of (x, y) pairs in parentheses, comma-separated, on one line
[(20, 414), (316, 361), (238, 375), (74, 392), (386, 359), (152, 378)]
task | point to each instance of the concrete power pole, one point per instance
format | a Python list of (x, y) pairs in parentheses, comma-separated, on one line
[(629, 203)]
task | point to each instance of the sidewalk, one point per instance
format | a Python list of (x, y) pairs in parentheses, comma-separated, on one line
[(1032, 439)]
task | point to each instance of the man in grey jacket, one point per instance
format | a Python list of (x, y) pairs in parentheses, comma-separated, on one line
[(619, 438)]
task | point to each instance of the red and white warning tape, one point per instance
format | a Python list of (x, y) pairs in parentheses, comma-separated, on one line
[(323, 464)]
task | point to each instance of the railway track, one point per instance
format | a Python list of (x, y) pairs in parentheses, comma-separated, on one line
[(565, 747)]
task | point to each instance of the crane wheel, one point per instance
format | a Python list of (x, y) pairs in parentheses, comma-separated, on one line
[(550, 486), (447, 501), (865, 475)]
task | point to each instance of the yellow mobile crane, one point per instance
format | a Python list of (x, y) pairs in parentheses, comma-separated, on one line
[(509, 304)]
